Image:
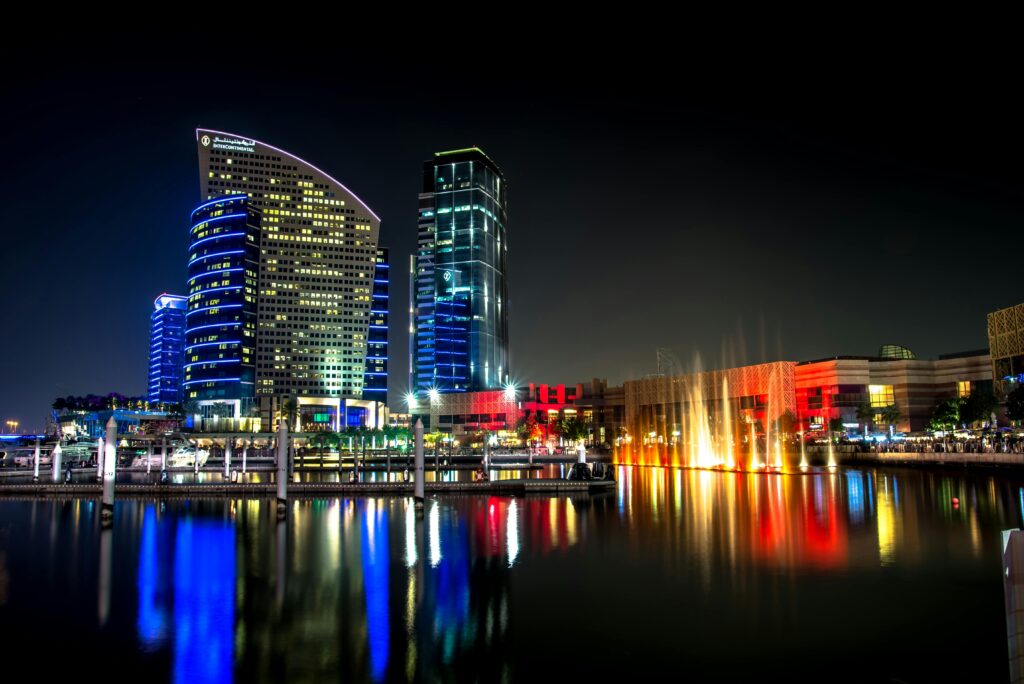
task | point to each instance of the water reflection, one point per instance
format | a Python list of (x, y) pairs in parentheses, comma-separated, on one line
[(364, 588), (204, 601), (376, 556), (811, 521)]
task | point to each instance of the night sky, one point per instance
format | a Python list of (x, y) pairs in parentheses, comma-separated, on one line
[(762, 211)]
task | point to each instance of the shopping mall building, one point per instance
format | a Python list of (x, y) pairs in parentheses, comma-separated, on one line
[(812, 392)]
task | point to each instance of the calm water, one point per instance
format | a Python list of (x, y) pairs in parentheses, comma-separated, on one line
[(862, 575)]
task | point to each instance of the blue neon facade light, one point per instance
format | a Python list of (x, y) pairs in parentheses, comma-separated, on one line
[(213, 362), (216, 289), (219, 200), (210, 308), (217, 254), (375, 376), (224, 379), (214, 220), (212, 344), (166, 348), (219, 236), (219, 360), (213, 325), (215, 272)]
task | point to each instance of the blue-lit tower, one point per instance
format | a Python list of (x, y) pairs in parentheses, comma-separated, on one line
[(459, 316), (375, 382), (166, 347), (223, 285)]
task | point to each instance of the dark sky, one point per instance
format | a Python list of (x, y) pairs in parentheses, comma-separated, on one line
[(744, 211)]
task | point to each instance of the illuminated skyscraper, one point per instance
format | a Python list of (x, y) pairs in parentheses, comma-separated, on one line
[(318, 253), (223, 281), (166, 335), (459, 316)]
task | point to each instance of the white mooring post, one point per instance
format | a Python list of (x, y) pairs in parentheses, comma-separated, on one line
[(245, 454), (282, 467), (418, 473), (35, 467), (163, 458), (99, 459), (109, 471), (55, 462), (229, 445), (149, 457)]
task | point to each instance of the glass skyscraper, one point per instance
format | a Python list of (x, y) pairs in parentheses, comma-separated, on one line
[(166, 340), (317, 265), (458, 311), (223, 286)]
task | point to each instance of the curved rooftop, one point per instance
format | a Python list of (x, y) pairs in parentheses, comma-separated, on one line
[(169, 300), (200, 131)]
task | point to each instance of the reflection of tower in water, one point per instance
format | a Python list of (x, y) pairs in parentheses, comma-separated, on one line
[(461, 583)]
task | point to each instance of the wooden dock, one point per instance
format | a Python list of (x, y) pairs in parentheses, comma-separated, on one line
[(538, 487)]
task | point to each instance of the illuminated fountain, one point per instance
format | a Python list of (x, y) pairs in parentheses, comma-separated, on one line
[(696, 420), (803, 453)]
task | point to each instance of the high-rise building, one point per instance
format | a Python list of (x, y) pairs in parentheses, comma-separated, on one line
[(318, 258), (375, 384), (223, 282), (458, 301), (166, 335)]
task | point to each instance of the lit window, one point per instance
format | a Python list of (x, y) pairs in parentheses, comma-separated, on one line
[(881, 396)]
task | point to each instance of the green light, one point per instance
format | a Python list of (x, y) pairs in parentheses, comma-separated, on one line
[(464, 149)]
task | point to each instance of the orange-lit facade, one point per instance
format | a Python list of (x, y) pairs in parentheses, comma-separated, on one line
[(834, 388)]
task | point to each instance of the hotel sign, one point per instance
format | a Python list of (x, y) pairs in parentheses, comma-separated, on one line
[(227, 144)]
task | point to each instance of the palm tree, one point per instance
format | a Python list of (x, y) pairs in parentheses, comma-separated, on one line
[(890, 415), (360, 432), (866, 415), (322, 439), (390, 432), (377, 435), (334, 442), (346, 434), (317, 440), (289, 411)]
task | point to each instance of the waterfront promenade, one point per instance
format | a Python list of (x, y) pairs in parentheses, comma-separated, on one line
[(936, 458)]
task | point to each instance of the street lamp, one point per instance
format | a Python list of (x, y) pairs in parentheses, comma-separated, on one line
[(13, 426)]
